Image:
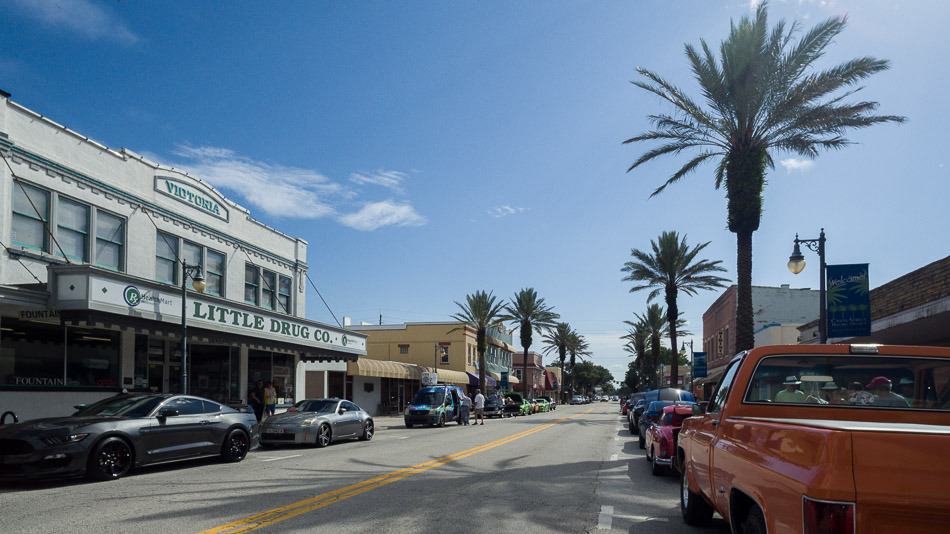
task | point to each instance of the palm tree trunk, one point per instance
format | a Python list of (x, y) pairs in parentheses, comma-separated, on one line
[(745, 335), (480, 346), (672, 315), (572, 373), (655, 349), (524, 374)]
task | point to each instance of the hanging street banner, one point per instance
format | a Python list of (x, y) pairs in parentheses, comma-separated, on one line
[(699, 365), (848, 301)]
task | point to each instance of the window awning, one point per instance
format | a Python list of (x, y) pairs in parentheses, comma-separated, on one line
[(383, 369), (449, 376)]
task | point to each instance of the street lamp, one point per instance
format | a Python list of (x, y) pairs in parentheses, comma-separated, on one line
[(198, 283), (683, 348), (796, 264)]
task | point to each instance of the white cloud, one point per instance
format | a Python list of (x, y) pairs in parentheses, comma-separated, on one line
[(277, 190), (85, 18), (383, 178), (374, 215), (796, 164), (505, 210)]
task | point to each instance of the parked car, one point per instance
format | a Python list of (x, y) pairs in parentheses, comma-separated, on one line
[(518, 405), (543, 405), (667, 394), (495, 407), (434, 406), (650, 416), (577, 399), (107, 439), (625, 406), (661, 436), (822, 438), (552, 402), (317, 422)]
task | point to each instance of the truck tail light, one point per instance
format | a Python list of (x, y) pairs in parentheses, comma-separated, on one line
[(827, 517)]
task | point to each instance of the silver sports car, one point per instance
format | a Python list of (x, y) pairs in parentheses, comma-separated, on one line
[(317, 422)]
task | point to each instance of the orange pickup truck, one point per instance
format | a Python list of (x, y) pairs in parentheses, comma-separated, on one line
[(823, 439)]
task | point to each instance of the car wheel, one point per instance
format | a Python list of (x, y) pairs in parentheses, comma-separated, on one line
[(324, 437), (753, 522), (649, 455), (631, 428), (696, 511), (368, 430), (655, 468), (642, 442), (235, 446), (441, 421), (111, 459), (409, 425)]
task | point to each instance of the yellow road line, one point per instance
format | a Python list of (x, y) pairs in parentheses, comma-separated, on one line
[(294, 509)]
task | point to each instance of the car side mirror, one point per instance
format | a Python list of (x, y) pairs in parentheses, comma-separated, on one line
[(343, 411), (168, 412), (80, 406)]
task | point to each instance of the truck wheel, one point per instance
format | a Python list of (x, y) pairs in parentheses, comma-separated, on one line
[(696, 511), (753, 522)]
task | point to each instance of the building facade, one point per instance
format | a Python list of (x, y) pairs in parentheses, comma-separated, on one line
[(535, 373), (91, 282)]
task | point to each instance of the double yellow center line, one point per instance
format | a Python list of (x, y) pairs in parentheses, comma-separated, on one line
[(294, 509)]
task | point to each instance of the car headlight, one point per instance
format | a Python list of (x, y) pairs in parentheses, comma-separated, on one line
[(309, 421), (54, 441)]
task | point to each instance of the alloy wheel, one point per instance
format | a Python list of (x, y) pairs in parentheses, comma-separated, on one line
[(238, 445), (114, 459), (323, 436)]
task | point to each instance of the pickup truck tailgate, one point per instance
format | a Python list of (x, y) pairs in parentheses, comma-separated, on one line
[(896, 472)]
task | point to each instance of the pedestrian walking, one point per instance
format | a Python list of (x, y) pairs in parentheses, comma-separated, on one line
[(255, 397), (270, 399), (479, 407), (466, 403)]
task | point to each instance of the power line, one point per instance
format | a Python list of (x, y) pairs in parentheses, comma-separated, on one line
[(47, 224), (17, 258), (324, 300)]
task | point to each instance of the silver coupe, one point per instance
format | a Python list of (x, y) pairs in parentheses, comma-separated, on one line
[(317, 422)]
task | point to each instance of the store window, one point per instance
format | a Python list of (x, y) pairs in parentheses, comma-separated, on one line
[(72, 229), (252, 284), (166, 258), (214, 274), (30, 216), (403, 349), (48, 356), (191, 253), (110, 241)]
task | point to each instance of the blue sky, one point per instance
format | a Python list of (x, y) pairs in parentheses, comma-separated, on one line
[(428, 149)]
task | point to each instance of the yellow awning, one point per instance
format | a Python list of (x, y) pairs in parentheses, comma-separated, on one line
[(384, 369), (512, 379), (449, 376)]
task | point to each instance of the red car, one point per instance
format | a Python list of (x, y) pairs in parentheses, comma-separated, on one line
[(661, 436)]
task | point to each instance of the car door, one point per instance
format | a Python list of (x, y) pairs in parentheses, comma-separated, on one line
[(176, 431), (215, 426), (704, 436), (348, 423)]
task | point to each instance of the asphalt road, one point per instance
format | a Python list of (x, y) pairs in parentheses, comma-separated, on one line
[(573, 470)]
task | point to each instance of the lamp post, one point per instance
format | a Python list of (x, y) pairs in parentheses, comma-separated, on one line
[(198, 283), (796, 264), (683, 348)]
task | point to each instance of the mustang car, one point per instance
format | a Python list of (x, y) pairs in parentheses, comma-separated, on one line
[(317, 422), (105, 440), (661, 436)]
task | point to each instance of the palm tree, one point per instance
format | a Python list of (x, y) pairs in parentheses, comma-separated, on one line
[(762, 95), (530, 314), (481, 312), (637, 336), (556, 339), (671, 268), (653, 322), (576, 346)]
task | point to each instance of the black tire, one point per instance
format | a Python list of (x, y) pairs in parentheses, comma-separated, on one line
[(655, 468), (368, 430), (753, 522), (110, 460), (441, 421), (324, 436), (235, 446), (642, 442), (631, 428), (409, 425), (696, 511)]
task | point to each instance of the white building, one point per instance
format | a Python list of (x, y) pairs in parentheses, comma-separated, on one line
[(90, 279)]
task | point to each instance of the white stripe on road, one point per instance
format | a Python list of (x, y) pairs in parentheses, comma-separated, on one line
[(281, 458), (642, 518), (606, 518)]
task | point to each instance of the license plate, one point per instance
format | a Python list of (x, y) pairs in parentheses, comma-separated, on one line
[(278, 431)]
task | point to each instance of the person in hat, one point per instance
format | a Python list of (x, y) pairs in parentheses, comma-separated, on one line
[(792, 392), (880, 387), (906, 388), (858, 395), (831, 393)]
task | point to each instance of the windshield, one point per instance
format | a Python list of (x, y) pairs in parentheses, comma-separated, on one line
[(125, 406), (894, 382), (316, 406), (429, 397)]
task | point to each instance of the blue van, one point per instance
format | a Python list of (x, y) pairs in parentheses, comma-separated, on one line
[(435, 406)]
